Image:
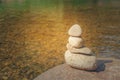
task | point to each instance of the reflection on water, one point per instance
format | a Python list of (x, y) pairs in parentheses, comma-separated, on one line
[(34, 33)]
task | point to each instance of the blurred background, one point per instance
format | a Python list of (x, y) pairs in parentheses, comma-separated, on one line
[(33, 33)]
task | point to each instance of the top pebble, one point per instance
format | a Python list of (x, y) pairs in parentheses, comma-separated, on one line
[(75, 31)]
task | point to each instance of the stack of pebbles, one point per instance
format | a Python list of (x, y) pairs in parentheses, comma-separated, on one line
[(78, 56)]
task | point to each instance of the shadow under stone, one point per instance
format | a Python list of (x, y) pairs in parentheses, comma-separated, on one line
[(101, 65)]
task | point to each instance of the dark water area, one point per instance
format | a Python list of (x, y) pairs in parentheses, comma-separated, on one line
[(33, 33)]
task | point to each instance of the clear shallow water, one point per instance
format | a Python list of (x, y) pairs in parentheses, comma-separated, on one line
[(101, 20), (35, 31)]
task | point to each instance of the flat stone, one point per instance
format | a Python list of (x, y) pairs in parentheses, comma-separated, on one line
[(83, 50), (75, 42), (108, 69), (80, 61), (75, 30)]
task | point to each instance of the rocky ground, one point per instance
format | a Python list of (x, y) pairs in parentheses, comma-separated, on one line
[(108, 69)]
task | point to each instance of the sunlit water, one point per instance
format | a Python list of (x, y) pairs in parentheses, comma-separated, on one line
[(39, 27)]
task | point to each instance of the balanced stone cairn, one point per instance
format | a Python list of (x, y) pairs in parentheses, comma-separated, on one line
[(78, 56)]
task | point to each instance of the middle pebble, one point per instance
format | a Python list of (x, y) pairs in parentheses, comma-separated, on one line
[(75, 42)]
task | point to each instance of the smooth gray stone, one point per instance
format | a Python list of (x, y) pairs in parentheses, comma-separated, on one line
[(82, 50), (108, 69), (75, 41), (80, 61), (75, 30)]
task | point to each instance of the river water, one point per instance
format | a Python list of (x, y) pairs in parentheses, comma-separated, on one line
[(38, 29)]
